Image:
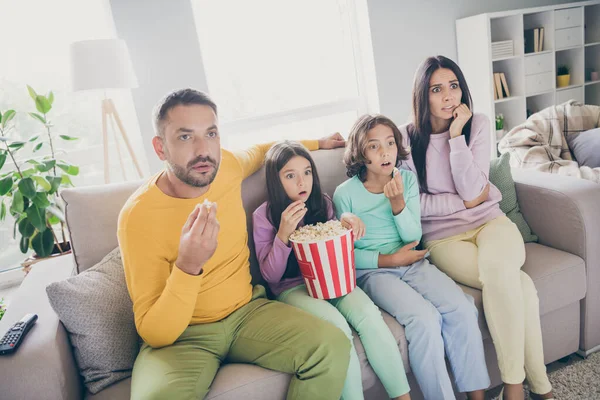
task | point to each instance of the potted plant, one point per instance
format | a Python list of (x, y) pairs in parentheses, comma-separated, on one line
[(499, 126), (562, 76), (29, 188)]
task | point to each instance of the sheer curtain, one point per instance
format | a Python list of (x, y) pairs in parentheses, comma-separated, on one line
[(36, 35)]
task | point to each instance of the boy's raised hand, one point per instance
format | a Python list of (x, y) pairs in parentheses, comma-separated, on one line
[(198, 241), (394, 191), (351, 221), (290, 218)]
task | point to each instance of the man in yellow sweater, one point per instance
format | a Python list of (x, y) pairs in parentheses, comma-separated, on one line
[(183, 240)]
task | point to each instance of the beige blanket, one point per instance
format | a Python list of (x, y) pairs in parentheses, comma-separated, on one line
[(540, 142)]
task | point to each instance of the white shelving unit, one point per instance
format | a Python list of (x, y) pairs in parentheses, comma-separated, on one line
[(571, 37)]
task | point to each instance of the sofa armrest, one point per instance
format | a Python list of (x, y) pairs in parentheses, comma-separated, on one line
[(43, 367), (565, 214)]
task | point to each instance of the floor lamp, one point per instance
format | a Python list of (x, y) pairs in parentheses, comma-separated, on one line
[(105, 64)]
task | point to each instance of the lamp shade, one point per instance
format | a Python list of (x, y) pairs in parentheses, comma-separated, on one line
[(101, 64)]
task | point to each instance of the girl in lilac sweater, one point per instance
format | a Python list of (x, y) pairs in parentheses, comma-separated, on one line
[(469, 237), (295, 199)]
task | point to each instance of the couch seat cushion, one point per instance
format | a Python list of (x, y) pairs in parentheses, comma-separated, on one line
[(559, 278)]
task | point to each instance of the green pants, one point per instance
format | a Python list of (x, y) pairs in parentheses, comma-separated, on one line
[(267, 333), (357, 309)]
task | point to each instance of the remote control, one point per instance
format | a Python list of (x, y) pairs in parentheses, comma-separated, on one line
[(13, 338)]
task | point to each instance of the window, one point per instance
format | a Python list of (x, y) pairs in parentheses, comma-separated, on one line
[(35, 51), (286, 69)]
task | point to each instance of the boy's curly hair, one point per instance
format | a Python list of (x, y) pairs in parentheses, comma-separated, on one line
[(354, 156)]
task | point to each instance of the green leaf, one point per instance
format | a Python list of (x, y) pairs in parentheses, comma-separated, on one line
[(39, 117), (24, 244), (0, 116), (37, 217), (8, 115), (2, 159), (33, 138), (55, 182), (69, 169), (43, 183), (5, 185), (2, 211), (56, 212), (42, 104), (27, 187), (18, 204), (32, 92), (66, 137), (46, 166), (16, 145), (43, 243), (28, 172), (65, 180), (41, 200), (25, 228), (38, 146), (53, 220), (50, 97)]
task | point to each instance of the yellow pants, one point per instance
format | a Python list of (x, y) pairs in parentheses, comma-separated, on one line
[(490, 258)]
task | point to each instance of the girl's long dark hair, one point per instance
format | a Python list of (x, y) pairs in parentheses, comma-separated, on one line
[(420, 128), (277, 157)]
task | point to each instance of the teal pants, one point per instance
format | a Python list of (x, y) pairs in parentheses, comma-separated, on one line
[(357, 309), (263, 332)]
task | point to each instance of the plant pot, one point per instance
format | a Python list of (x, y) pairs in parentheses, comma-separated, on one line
[(500, 133), (34, 259), (563, 80)]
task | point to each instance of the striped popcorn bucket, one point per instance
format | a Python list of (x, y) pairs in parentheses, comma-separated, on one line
[(327, 266)]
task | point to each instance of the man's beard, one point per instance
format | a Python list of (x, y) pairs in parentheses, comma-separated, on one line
[(185, 174)]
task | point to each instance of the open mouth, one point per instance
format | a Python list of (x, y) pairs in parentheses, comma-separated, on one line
[(449, 108), (386, 164), (303, 193)]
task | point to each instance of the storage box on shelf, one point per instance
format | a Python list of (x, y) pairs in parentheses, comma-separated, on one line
[(567, 34)]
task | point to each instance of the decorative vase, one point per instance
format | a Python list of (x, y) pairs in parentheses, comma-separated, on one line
[(563, 80), (500, 133)]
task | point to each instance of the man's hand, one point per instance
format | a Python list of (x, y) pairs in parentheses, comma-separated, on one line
[(394, 191), (404, 257), (351, 221), (332, 142), (462, 115), (290, 218), (479, 199), (198, 240)]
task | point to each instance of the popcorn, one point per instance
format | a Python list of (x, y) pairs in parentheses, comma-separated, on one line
[(394, 172), (319, 231), (207, 204)]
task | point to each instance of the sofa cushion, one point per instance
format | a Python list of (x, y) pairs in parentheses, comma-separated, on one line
[(98, 207), (559, 278), (501, 177), (585, 146), (97, 312)]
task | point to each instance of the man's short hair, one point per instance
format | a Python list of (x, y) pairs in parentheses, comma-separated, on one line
[(181, 97)]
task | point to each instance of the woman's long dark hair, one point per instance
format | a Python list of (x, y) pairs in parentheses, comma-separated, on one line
[(420, 129), (277, 157)]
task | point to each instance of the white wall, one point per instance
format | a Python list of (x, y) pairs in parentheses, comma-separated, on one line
[(404, 33), (163, 44)]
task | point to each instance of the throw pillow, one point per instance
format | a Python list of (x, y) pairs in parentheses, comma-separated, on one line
[(585, 146), (97, 312), (501, 177)]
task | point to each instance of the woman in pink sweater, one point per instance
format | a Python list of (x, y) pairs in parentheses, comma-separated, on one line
[(469, 237)]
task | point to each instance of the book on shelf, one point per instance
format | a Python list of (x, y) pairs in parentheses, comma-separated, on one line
[(534, 40), (504, 84), (498, 85), (495, 89)]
